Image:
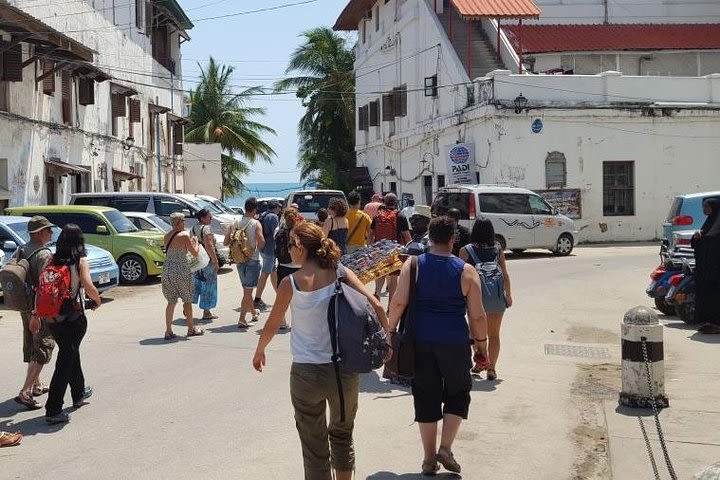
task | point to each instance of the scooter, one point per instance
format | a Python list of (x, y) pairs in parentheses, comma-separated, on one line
[(682, 293), (660, 281)]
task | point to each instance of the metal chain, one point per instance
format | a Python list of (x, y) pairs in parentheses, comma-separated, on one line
[(649, 448), (656, 414)]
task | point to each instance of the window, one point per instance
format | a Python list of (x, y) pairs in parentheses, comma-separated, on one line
[(177, 139), (431, 86), (441, 181), (447, 200), (400, 101), (516, 203), (618, 189), (539, 206), (393, 187), (121, 223), (131, 204), (427, 189), (140, 15), (11, 62), (388, 114), (86, 91), (363, 31), (555, 170), (363, 118), (87, 223), (3, 96), (377, 18), (97, 201), (48, 83), (118, 108), (66, 88), (165, 206), (374, 113)]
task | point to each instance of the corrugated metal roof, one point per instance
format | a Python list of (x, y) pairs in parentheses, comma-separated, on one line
[(584, 38), (475, 9)]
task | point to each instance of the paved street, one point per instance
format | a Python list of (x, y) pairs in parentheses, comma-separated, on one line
[(196, 408)]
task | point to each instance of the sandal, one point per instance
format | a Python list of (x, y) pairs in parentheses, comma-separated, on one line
[(196, 332), (211, 317), (491, 374), (243, 325), (39, 390), (430, 468), (8, 439), (29, 402), (447, 459), (170, 335), (255, 316)]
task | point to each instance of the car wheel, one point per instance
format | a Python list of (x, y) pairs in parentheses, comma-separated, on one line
[(564, 245), (686, 312), (501, 240), (518, 251), (132, 269), (664, 307)]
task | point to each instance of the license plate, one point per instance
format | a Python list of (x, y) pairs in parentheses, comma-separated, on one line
[(104, 278)]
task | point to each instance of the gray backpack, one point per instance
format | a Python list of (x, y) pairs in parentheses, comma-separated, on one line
[(18, 291), (358, 339)]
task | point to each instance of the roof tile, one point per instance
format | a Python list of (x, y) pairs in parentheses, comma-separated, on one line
[(497, 8)]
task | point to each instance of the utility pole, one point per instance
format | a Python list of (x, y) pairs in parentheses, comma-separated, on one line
[(157, 147), (172, 147)]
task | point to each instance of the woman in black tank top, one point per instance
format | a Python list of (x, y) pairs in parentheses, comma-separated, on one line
[(336, 225)]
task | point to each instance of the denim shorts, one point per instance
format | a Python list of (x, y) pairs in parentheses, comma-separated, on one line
[(268, 263), (249, 273)]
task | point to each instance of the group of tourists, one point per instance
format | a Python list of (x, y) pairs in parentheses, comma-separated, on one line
[(55, 315)]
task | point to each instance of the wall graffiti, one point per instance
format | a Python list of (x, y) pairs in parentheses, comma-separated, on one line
[(520, 223)]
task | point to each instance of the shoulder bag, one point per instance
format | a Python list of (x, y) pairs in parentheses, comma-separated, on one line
[(402, 362)]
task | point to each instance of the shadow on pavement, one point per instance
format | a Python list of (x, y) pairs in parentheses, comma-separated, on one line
[(162, 341), (408, 476), (671, 322), (230, 329), (482, 385), (705, 337), (633, 412), (531, 255), (32, 426), (372, 383)]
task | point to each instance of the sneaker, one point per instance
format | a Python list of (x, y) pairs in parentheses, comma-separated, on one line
[(61, 417), (446, 458), (260, 305), (87, 393)]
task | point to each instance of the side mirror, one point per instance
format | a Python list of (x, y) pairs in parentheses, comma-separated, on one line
[(9, 246), (554, 211), (186, 212), (101, 230)]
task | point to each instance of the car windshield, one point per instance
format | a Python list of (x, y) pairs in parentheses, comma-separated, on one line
[(223, 207), (312, 202), (21, 230), (121, 223), (209, 205), (160, 223)]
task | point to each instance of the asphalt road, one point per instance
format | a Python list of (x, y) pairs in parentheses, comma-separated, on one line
[(195, 408)]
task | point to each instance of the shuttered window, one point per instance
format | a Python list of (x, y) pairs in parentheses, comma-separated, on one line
[(12, 64), (48, 83), (140, 14), (134, 110), (148, 18), (66, 86), (388, 113), (374, 113), (555, 170), (119, 108), (177, 139), (86, 91), (400, 101), (363, 118)]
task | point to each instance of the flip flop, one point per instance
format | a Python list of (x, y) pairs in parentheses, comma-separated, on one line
[(243, 325), (29, 402), (170, 336), (211, 317), (41, 390), (196, 332)]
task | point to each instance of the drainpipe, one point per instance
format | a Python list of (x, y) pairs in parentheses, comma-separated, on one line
[(499, 57)]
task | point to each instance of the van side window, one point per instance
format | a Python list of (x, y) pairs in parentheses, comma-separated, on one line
[(87, 223), (96, 201), (447, 200), (131, 204), (516, 203), (539, 207), (165, 206)]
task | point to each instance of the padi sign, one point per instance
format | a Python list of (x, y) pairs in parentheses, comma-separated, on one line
[(461, 164)]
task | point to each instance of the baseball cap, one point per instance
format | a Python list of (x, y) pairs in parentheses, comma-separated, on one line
[(38, 223)]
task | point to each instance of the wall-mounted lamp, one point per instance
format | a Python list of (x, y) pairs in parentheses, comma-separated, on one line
[(520, 103), (128, 143), (389, 170)]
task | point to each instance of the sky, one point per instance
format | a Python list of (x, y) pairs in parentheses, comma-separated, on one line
[(258, 45)]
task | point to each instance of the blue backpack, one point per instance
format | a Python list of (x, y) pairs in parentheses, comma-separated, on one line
[(492, 280)]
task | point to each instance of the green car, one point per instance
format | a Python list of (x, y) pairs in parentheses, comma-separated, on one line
[(139, 254)]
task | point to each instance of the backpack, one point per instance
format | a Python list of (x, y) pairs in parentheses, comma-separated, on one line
[(261, 219), (358, 339), (386, 224), (17, 292), (282, 252), (417, 246), (492, 280), (54, 298), (241, 250)]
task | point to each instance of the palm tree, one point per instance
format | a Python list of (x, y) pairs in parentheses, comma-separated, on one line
[(220, 116), (325, 83)]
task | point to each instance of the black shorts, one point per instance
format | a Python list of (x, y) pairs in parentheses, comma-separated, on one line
[(442, 381)]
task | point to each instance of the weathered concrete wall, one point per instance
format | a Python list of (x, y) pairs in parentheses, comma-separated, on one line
[(203, 173)]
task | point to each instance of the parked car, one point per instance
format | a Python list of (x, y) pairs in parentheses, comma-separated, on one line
[(218, 213), (103, 269), (686, 213), (151, 222), (310, 201), (161, 204), (219, 204), (522, 219), (138, 254)]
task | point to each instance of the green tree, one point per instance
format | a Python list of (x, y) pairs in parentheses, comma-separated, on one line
[(324, 81), (220, 116)]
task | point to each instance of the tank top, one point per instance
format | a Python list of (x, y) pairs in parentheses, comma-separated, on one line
[(339, 236), (310, 334), (440, 304), (250, 232)]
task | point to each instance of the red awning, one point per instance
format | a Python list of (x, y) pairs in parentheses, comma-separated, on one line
[(477, 9), (587, 38)]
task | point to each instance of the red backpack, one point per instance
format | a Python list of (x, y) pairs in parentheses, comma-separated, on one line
[(53, 295), (386, 225)]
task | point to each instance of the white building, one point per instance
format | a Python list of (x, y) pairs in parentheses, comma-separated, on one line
[(90, 97), (203, 169), (612, 148)]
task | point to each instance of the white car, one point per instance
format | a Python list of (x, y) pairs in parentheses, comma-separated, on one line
[(150, 221), (310, 201), (521, 218)]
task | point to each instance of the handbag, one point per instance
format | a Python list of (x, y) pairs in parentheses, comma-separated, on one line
[(202, 260), (402, 362)]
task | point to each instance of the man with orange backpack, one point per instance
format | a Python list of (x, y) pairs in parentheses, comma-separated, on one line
[(388, 224)]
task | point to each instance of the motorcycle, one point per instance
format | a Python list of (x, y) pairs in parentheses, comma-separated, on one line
[(670, 265), (682, 293)]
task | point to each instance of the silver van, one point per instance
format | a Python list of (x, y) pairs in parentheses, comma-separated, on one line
[(522, 219), (158, 203), (310, 201)]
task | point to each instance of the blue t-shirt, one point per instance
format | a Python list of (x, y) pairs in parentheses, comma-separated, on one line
[(439, 301), (269, 222)]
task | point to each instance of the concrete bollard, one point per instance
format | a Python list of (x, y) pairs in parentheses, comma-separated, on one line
[(710, 473), (639, 323)]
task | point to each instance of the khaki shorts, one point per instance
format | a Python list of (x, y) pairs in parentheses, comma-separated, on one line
[(36, 348)]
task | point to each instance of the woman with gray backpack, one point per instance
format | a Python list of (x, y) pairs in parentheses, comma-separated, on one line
[(489, 259), (316, 381)]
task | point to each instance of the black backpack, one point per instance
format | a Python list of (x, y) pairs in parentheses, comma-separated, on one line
[(358, 339), (282, 250)]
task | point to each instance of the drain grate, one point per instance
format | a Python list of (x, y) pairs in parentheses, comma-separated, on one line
[(576, 351)]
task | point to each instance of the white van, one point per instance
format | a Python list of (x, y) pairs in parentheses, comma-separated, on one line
[(522, 219), (310, 201)]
